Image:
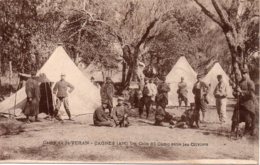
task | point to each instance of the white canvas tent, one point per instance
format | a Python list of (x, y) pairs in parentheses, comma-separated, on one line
[(183, 69), (211, 78), (84, 99)]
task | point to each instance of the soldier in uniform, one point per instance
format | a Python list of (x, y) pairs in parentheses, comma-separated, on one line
[(220, 94), (146, 100), (32, 90), (161, 115), (107, 92), (100, 117), (120, 114), (182, 92), (200, 91), (187, 118), (247, 104), (60, 90), (162, 95)]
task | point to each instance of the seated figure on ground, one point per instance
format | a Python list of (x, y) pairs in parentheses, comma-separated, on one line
[(161, 116), (187, 119), (120, 114), (100, 118)]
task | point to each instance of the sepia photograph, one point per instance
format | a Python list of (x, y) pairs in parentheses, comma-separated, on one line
[(129, 81)]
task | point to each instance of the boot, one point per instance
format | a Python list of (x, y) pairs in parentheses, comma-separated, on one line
[(68, 113)]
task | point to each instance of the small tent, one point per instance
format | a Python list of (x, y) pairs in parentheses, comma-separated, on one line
[(211, 79), (84, 99), (183, 69)]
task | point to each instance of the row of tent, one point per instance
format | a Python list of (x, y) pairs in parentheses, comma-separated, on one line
[(182, 68), (86, 96)]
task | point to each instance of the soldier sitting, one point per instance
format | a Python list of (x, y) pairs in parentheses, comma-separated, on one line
[(162, 116), (187, 118), (120, 114), (100, 118)]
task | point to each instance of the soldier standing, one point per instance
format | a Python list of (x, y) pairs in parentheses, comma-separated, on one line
[(60, 90), (247, 103), (182, 92), (220, 94), (146, 100), (107, 92), (32, 90), (162, 95), (200, 91)]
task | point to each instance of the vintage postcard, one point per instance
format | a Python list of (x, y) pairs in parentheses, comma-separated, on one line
[(129, 81)]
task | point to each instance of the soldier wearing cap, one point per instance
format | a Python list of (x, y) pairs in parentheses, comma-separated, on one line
[(32, 90), (107, 92), (220, 94), (247, 103), (182, 92), (162, 95), (200, 91), (146, 100), (120, 113), (100, 117), (60, 90)]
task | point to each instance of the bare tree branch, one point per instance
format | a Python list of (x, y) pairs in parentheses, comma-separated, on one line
[(147, 32), (209, 14), (222, 14)]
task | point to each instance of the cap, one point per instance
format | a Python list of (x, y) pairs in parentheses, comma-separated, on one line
[(63, 74), (182, 78), (219, 76), (108, 78)]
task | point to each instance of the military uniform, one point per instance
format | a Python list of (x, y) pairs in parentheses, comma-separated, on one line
[(162, 95), (61, 88), (120, 116), (182, 93), (146, 101), (200, 91), (220, 94), (32, 90), (162, 116), (247, 105), (107, 92), (100, 118)]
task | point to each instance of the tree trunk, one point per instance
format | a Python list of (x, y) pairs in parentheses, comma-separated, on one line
[(135, 70), (3, 70), (123, 73)]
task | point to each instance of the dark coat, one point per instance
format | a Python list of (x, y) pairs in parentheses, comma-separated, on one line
[(32, 91), (248, 98), (99, 115), (162, 95), (107, 92)]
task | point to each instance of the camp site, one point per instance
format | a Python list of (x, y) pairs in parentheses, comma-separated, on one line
[(129, 81)]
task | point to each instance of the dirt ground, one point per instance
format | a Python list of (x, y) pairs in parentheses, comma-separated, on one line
[(79, 140)]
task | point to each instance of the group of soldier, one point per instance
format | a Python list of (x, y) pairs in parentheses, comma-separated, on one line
[(39, 97), (155, 96), (148, 96)]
